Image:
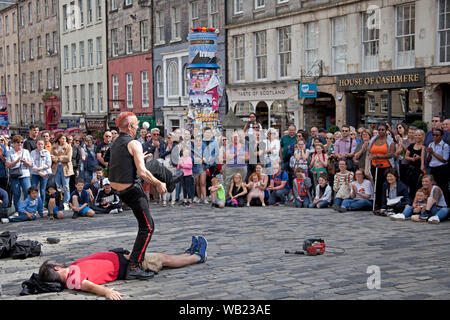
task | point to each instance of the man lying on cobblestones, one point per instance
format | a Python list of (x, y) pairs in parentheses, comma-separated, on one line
[(90, 272)]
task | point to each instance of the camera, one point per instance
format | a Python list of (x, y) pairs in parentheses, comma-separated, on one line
[(42, 153)]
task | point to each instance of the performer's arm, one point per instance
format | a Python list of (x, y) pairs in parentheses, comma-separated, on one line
[(135, 149)]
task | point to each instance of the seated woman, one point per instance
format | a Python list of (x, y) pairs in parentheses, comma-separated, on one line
[(237, 192), (361, 194), (342, 184), (436, 208), (323, 196), (395, 195), (418, 206)]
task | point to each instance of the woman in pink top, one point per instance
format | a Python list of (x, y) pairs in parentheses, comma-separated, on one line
[(185, 165)]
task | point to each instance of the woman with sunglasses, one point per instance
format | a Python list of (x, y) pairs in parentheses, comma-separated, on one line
[(381, 155), (3, 171), (19, 157)]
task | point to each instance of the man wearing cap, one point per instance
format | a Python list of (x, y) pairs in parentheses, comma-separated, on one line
[(127, 163)]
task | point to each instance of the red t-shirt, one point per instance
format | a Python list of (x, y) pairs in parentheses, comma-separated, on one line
[(98, 268)]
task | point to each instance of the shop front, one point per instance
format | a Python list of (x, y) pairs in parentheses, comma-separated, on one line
[(393, 96), (276, 104), (52, 112)]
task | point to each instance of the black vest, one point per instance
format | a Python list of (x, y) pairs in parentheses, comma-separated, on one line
[(121, 166)]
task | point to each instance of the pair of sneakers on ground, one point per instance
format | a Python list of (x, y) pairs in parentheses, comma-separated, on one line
[(423, 217)]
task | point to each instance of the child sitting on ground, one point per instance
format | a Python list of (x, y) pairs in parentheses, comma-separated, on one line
[(54, 201), (30, 206), (237, 192), (107, 200), (418, 208), (255, 182), (217, 193), (79, 200), (323, 196), (300, 186)]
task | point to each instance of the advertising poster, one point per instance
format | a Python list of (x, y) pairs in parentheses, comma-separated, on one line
[(4, 124)]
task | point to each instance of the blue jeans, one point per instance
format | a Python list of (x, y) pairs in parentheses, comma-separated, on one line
[(42, 182), (19, 186), (357, 205), (304, 204), (440, 212), (338, 202), (278, 195), (21, 217), (320, 204), (62, 182), (88, 174)]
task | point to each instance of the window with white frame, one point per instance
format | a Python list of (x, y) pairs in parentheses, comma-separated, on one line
[(99, 9), (176, 23), (21, 16), (24, 82), (66, 58), (99, 51), (384, 104), (30, 13), (213, 13), (41, 109), (371, 103), (65, 18), (128, 39), (9, 83), (193, 13), (33, 111), (405, 34), (68, 98), (259, 4), (100, 96), (55, 42), (284, 51), (144, 29), (48, 44), (239, 57), (370, 43), (81, 8), (40, 80), (261, 54), (73, 16), (444, 31), (90, 52), (56, 78), (89, 10), (74, 56), (49, 79), (159, 82), (31, 45), (22, 51), (83, 97), (39, 46), (172, 79), (82, 55), (38, 10), (160, 27), (32, 86), (14, 22), (128, 2), (238, 6), (114, 5), (311, 47), (25, 113), (46, 8), (339, 45), (75, 101), (114, 43), (8, 56), (115, 87), (129, 77), (91, 97), (282, 1), (145, 89), (16, 82)]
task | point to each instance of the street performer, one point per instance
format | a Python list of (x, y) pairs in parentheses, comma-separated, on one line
[(126, 164)]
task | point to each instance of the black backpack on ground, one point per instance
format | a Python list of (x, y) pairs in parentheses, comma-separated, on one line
[(25, 249), (34, 286), (7, 242)]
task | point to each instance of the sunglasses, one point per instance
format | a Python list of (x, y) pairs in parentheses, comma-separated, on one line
[(436, 135), (434, 120)]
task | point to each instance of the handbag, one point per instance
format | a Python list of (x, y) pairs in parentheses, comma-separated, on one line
[(15, 173)]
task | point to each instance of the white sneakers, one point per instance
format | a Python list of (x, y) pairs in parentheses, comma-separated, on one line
[(401, 217), (5, 220), (398, 217), (434, 219)]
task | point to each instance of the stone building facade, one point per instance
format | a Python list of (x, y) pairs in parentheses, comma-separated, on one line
[(82, 26), (39, 61), (172, 20), (130, 76), (392, 45)]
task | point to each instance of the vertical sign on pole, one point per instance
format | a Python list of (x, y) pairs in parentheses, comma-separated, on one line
[(205, 88)]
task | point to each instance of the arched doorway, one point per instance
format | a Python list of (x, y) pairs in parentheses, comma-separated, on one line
[(319, 112), (444, 88), (262, 114)]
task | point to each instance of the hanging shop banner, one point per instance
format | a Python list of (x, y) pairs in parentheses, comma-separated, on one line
[(4, 124), (203, 48), (308, 90)]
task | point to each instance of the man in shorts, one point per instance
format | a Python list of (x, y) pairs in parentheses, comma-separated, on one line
[(104, 267)]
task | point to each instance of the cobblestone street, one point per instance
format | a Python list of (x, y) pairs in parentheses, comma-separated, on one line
[(246, 258)]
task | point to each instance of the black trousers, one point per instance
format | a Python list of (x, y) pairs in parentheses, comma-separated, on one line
[(136, 199), (159, 171)]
